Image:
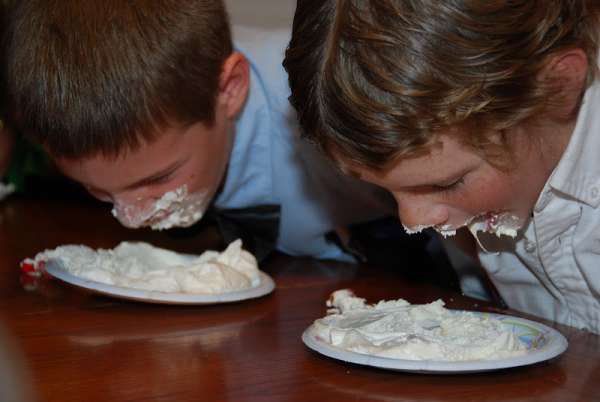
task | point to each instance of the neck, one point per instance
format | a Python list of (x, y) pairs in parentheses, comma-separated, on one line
[(555, 137)]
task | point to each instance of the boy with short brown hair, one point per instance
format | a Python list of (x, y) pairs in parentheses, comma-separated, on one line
[(152, 108), (472, 113)]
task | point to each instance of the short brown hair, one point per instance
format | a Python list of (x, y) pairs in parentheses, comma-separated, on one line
[(98, 76), (375, 80)]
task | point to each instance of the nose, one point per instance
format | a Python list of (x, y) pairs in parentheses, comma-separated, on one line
[(415, 211), (132, 211)]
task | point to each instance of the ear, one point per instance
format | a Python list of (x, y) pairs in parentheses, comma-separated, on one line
[(234, 83), (567, 72)]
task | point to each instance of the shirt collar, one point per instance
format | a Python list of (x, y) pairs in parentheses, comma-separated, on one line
[(578, 171)]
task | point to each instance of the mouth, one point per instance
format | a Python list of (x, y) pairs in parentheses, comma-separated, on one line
[(176, 208), (498, 223), (180, 218)]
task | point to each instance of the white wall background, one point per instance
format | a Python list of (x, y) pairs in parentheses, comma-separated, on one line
[(268, 13)]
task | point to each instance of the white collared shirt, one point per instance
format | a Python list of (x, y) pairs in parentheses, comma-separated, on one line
[(553, 268)]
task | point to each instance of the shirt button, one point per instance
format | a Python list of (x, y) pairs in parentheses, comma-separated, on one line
[(594, 192), (529, 246)]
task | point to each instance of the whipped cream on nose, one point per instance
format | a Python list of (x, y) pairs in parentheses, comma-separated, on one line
[(415, 229), (176, 208), (130, 215)]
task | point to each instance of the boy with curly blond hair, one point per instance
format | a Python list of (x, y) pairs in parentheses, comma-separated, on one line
[(474, 114)]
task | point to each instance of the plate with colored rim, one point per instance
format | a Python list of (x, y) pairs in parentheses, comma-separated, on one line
[(265, 286), (543, 343)]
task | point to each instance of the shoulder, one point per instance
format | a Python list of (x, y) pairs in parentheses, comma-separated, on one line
[(265, 50), (257, 41)]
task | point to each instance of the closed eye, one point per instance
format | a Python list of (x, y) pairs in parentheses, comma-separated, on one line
[(449, 187), (440, 188), (160, 179)]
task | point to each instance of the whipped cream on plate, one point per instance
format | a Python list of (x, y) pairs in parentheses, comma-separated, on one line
[(139, 265), (400, 330)]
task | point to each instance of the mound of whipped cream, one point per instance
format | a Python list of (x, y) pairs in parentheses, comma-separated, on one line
[(139, 265), (400, 330)]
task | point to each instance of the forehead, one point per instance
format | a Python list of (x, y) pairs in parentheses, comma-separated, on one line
[(169, 146), (153, 149)]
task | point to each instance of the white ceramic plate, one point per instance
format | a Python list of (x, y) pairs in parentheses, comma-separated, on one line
[(266, 286), (543, 343)]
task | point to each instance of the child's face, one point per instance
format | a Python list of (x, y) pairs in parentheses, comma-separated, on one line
[(453, 185), (170, 181), (164, 183)]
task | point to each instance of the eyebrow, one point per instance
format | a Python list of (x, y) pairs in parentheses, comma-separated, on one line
[(156, 176)]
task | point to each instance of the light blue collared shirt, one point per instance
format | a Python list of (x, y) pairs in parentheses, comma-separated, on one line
[(269, 163)]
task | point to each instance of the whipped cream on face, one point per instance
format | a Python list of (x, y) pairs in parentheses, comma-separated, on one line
[(175, 208), (500, 224), (444, 230), (415, 229), (400, 330), (142, 266)]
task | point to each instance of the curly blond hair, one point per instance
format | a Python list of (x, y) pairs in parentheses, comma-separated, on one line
[(375, 80)]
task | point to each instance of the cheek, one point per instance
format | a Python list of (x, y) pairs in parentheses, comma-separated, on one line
[(497, 192), (196, 179), (203, 175)]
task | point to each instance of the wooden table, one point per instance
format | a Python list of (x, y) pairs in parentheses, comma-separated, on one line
[(83, 347)]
